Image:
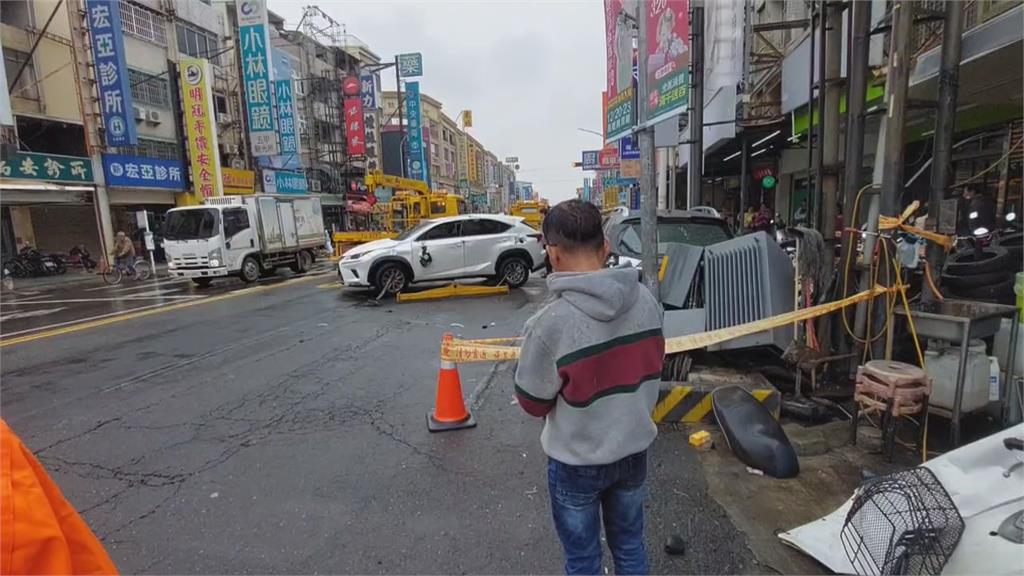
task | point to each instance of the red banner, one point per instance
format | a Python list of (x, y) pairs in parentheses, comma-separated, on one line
[(355, 129), (608, 158)]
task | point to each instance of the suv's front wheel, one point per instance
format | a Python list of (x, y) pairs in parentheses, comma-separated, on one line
[(391, 278), (513, 271)]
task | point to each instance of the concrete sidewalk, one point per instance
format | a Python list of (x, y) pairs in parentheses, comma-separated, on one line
[(73, 277)]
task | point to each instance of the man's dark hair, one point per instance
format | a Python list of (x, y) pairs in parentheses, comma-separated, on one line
[(574, 225)]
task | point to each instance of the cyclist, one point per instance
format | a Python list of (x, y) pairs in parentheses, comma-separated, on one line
[(124, 253)]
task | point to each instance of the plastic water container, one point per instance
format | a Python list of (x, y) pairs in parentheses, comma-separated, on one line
[(941, 365), (1001, 346)]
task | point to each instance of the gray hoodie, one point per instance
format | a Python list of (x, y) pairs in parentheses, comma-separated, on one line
[(590, 365)]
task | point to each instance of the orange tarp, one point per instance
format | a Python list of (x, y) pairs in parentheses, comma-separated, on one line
[(40, 532)]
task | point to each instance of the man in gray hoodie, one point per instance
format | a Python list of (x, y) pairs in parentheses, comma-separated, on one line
[(590, 365)]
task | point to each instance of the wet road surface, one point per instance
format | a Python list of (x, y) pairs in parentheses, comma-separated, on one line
[(282, 430)]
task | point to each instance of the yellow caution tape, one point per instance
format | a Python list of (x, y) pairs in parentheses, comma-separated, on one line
[(890, 223), (490, 350)]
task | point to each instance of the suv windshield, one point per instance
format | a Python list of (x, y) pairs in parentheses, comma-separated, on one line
[(689, 232), (192, 224), (415, 229)]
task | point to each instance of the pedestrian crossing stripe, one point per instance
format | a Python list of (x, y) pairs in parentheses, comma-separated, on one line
[(693, 403)]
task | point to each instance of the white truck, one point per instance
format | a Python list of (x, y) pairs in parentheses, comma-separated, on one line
[(244, 236)]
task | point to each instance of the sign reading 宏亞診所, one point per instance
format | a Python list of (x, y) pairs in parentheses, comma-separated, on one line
[(415, 137), (50, 167), (256, 76), (113, 89), (139, 172), (197, 101)]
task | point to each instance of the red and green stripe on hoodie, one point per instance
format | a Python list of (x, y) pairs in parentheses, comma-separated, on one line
[(590, 365)]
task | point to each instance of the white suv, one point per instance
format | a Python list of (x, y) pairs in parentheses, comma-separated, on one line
[(501, 248)]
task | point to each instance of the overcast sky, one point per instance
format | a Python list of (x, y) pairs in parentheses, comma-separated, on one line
[(531, 72)]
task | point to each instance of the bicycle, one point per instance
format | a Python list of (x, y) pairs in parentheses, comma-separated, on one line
[(140, 270)]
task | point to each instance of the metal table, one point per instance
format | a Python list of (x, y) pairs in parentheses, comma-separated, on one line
[(960, 321)]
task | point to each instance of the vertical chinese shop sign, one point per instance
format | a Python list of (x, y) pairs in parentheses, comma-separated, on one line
[(355, 129), (256, 74), (112, 86), (200, 125)]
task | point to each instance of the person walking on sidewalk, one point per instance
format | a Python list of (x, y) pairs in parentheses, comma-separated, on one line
[(124, 253), (590, 365)]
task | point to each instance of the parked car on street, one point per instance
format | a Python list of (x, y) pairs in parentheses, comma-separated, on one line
[(500, 248), (674, 226)]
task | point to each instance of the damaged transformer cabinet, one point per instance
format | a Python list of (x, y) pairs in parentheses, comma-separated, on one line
[(742, 280)]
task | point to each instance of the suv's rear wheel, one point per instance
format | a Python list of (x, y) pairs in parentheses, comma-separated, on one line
[(513, 271), (391, 278)]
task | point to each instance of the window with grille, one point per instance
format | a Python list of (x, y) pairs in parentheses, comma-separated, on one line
[(143, 23), (151, 89), (198, 43)]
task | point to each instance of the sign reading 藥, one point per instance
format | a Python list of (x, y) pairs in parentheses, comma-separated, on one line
[(668, 58), (417, 170), (113, 89), (139, 172), (51, 167), (590, 159), (200, 124), (256, 76), (410, 65)]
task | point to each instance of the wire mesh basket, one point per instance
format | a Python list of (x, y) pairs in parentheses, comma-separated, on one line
[(903, 523)]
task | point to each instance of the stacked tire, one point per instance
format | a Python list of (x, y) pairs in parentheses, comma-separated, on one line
[(986, 275)]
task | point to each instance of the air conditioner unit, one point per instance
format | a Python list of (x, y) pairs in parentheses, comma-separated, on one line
[(223, 118), (154, 117), (140, 113)]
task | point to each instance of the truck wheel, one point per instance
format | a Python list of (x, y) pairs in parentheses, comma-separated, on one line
[(514, 271), (391, 278), (303, 262), (250, 270), (202, 282)]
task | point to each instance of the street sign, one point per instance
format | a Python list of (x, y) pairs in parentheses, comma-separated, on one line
[(628, 149), (410, 65)]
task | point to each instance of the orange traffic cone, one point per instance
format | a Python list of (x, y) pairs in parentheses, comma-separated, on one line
[(449, 409)]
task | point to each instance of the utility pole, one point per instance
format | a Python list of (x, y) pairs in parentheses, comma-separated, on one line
[(945, 116), (812, 139), (648, 186), (398, 100), (744, 177), (888, 176), (860, 19), (695, 170), (832, 23)]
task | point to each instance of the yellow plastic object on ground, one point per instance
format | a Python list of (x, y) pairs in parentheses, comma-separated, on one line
[(361, 236), (701, 440), (451, 291)]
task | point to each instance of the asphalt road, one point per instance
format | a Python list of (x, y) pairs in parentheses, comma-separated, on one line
[(281, 429)]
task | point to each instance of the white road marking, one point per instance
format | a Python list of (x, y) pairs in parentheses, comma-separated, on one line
[(121, 299), (159, 292), (138, 285), (79, 320), (30, 313)]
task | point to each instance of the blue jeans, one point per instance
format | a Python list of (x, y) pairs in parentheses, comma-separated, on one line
[(581, 495), (126, 263)]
